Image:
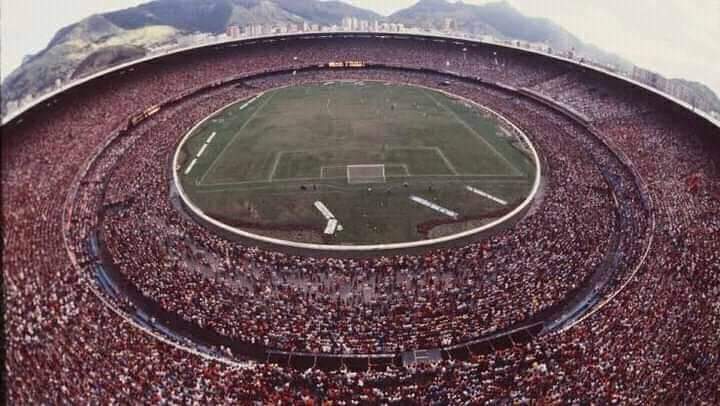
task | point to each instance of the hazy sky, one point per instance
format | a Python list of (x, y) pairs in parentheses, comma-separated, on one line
[(678, 38), (27, 26)]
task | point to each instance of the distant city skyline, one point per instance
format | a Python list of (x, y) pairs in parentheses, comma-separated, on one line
[(676, 38)]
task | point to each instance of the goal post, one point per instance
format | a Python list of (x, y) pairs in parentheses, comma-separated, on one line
[(369, 173)]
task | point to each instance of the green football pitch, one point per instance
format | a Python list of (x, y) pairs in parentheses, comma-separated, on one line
[(369, 151)]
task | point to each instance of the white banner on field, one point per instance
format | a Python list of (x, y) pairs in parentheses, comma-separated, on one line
[(324, 210), (331, 227), (434, 206), (486, 195)]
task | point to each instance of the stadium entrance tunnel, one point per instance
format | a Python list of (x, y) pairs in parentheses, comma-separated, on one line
[(355, 166)]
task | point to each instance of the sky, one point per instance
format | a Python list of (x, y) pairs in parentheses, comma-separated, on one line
[(677, 38), (27, 26)]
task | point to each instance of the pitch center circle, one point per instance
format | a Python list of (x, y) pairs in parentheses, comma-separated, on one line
[(355, 165)]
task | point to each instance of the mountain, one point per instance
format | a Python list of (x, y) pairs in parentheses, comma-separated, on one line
[(70, 47), (699, 94), (107, 56), (500, 20), (213, 16), (119, 36), (106, 39), (326, 12)]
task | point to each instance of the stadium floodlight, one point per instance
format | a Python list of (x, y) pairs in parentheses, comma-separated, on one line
[(368, 173)]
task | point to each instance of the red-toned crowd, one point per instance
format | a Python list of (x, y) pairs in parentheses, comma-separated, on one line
[(657, 340)]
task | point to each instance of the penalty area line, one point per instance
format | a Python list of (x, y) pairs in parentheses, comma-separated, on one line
[(486, 195)]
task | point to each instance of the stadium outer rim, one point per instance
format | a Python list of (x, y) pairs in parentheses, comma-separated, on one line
[(516, 213)]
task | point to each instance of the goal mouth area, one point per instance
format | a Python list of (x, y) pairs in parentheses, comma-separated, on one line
[(365, 174)]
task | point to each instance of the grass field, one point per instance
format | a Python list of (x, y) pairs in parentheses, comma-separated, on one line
[(261, 163)]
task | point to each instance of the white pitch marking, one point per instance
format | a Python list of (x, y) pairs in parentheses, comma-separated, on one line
[(189, 168), (324, 210), (275, 166), (217, 158), (210, 138), (434, 206), (486, 195), (202, 149)]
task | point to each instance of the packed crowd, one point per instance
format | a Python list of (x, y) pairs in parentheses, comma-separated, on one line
[(377, 305), (657, 340)]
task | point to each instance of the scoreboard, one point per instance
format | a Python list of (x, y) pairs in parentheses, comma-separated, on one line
[(347, 64)]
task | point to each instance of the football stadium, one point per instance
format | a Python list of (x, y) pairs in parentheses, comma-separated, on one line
[(334, 217)]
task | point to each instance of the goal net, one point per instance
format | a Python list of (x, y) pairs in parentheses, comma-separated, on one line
[(374, 173)]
